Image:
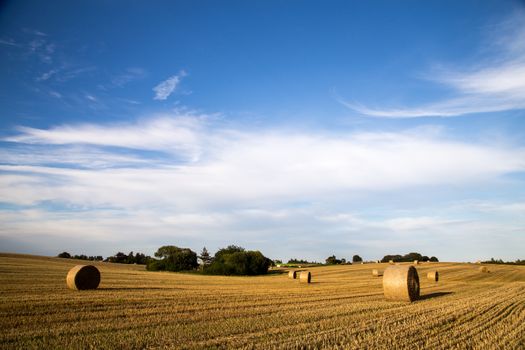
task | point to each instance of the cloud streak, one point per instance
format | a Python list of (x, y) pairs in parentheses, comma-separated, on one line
[(168, 86), (497, 84)]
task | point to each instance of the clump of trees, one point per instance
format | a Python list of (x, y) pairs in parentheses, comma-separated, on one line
[(332, 260), (172, 258), (408, 258), (234, 260)]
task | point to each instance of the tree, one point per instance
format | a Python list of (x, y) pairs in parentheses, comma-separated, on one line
[(205, 257), (356, 259), (172, 258), (64, 255), (434, 259)]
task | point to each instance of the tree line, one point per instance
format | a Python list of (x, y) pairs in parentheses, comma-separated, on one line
[(500, 261), (232, 260), (121, 258)]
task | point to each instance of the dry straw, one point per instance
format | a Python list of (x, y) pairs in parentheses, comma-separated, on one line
[(483, 269), (401, 282), (292, 274), (433, 276), (376, 273), (83, 277), (305, 277)]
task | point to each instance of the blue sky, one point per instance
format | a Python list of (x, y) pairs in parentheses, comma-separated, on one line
[(299, 128)]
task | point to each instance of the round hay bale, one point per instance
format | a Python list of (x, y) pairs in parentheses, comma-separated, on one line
[(401, 282), (305, 277), (83, 277), (292, 274), (416, 262), (483, 269), (391, 262), (433, 276), (376, 273)]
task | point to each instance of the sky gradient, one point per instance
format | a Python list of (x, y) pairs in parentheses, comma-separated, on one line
[(301, 129)]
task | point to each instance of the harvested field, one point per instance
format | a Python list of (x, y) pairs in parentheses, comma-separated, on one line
[(342, 308)]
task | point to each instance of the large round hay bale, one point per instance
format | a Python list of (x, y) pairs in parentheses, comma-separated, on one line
[(83, 277), (391, 262), (416, 262), (433, 276), (376, 273), (483, 269), (401, 282), (305, 277), (292, 274)]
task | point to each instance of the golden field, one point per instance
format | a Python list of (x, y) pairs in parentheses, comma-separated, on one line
[(343, 308)]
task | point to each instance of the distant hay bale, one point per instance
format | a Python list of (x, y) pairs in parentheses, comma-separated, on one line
[(483, 269), (376, 273), (391, 262), (478, 262), (292, 274), (83, 277), (433, 276), (305, 277), (416, 262), (401, 283), (378, 262)]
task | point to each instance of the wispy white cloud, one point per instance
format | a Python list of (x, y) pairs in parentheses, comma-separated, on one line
[(168, 86), (47, 75), (495, 84), (9, 42), (129, 75), (164, 134)]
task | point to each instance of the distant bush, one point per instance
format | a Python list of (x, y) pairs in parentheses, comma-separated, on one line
[(64, 255), (500, 261), (234, 260), (172, 258), (298, 261)]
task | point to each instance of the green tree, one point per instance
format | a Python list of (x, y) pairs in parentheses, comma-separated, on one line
[(356, 259), (205, 257), (64, 255)]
